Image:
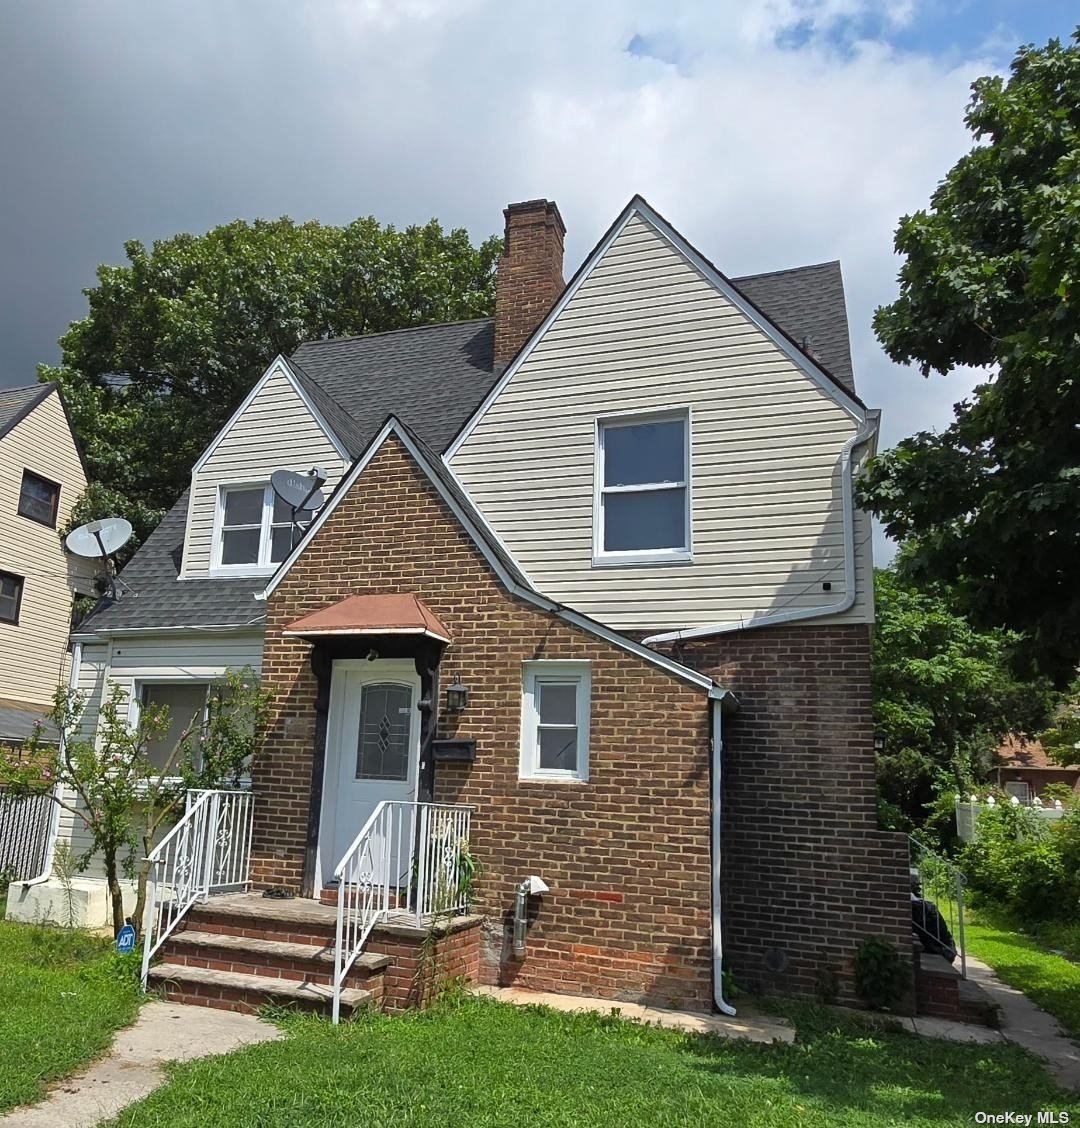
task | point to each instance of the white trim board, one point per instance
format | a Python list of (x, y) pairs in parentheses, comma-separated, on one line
[(638, 207), (589, 626)]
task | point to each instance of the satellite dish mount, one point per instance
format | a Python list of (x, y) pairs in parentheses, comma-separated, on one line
[(301, 493), (101, 540)]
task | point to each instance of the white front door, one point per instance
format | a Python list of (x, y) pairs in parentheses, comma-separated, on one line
[(372, 749)]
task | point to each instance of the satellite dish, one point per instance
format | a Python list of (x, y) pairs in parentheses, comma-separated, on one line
[(99, 538), (299, 491)]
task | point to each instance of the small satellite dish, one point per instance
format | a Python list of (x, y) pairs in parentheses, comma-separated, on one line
[(99, 538), (300, 491)]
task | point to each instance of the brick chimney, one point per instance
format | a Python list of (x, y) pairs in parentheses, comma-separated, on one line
[(530, 277)]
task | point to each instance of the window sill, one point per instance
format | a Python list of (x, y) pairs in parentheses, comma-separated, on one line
[(37, 520), (637, 559), (239, 571), (571, 779)]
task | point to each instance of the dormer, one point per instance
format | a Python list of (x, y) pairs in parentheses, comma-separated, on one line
[(235, 525)]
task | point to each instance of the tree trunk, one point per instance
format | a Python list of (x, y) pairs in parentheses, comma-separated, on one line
[(142, 874), (116, 892)]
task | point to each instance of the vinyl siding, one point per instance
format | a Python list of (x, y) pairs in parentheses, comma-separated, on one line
[(645, 332), (126, 663), (33, 652), (275, 430)]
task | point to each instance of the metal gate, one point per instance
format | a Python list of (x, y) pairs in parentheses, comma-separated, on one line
[(24, 835)]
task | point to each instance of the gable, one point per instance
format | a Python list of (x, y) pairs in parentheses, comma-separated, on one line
[(277, 426), (648, 326)]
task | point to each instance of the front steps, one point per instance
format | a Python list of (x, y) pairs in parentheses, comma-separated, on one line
[(241, 951)]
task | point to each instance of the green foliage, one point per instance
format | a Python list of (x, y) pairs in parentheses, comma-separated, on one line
[(991, 505), (62, 995), (472, 1062), (944, 697), (881, 976), (1049, 979), (1061, 740), (177, 336), (121, 796), (1028, 865)]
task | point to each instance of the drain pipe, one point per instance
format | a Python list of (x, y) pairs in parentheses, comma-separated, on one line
[(722, 1005), (54, 817), (862, 436)]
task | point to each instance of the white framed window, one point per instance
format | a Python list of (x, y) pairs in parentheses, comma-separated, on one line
[(253, 528), (1020, 788), (641, 504), (188, 703), (555, 720)]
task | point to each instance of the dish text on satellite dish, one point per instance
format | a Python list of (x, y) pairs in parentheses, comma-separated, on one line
[(99, 538)]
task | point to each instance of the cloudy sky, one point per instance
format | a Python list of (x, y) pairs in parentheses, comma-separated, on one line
[(771, 132)]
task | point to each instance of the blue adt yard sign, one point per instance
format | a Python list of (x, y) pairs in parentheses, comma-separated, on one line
[(125, 941)]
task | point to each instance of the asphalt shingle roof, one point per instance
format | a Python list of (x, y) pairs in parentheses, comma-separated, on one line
[(432, 379), (17, 403)]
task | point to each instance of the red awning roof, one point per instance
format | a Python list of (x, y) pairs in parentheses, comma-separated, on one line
[(372, 615)]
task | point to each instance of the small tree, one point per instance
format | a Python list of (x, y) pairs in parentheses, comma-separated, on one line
[(107, 779)]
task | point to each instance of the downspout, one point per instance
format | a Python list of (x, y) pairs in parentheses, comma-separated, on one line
[(863, 435), (722, 1005), (54, 820)]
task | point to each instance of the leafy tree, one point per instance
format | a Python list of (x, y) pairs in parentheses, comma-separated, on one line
[(991, 506), (1061, 740), (177, 336), (110, 784), (943, 698)]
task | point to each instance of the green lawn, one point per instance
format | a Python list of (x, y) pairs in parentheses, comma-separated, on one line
[(62, 995), (1050, 980), (475, 1062)]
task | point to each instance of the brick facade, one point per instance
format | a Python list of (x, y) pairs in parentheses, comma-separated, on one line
[(806, 873), (530, 276), (626, 855)]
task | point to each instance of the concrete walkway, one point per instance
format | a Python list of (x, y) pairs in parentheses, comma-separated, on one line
[(133, 1068), (747, 1024)]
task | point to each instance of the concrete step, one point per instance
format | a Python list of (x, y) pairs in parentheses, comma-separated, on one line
[(257, 955), (296, 921), (238, 991)]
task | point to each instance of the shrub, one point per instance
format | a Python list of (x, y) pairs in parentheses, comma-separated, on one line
[(880, 975)]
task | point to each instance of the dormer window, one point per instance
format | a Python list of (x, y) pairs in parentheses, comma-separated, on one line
[(254, 528), (642, 502)]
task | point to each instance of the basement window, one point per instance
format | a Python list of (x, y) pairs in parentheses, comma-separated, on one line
[(555, 721), (642, 493)]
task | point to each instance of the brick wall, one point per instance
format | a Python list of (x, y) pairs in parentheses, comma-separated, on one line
[(626, 855), (806, 873), (530, 277)]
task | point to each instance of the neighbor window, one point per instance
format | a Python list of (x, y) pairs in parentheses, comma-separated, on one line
[(39, 499), (642, 496), (11, 589), (1020, 788), (255, 527), (187, 705), (555, 721)]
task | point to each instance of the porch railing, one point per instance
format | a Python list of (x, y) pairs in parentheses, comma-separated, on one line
[(937, 908), (410, 859), (207, 851)]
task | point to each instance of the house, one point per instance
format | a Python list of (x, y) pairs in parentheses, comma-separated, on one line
[(588, 607), (1022, 768), (41, 479)]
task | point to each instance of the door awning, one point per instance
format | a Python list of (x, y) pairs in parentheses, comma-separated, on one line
[(371, 615)]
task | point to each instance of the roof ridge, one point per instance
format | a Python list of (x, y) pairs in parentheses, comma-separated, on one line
[(391, 332)]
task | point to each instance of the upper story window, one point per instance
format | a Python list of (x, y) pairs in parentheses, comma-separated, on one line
[(254, 527), (555, 721), (39, 499), (642, 504), (11, 589)]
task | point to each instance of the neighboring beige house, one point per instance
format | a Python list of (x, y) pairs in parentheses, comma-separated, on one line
[(41, 479)]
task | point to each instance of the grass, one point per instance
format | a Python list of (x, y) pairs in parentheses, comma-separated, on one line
[(479, 1063), (1052, 981), (62, 995)]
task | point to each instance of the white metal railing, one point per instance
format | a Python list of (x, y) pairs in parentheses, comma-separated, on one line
[(409, 858), (937, 903), (207, 851)]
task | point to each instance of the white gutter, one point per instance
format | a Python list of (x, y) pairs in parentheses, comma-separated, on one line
[(54, 820), (722, 1005), (862, 436)]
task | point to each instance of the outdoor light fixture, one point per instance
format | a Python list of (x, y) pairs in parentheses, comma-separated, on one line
[(457, 696), (879, 742)]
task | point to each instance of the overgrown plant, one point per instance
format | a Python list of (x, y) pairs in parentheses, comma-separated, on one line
[(880, 975), (65, 866), (109, 783)]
